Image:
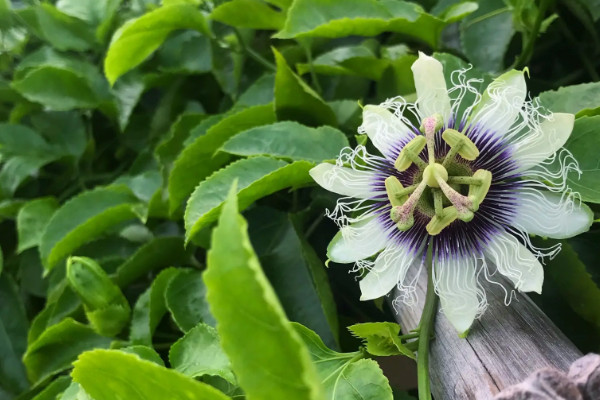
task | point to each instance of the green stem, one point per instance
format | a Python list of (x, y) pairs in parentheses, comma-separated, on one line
[(313, 74), (253, 54), (425, 329), (527, 52), (409, 336)]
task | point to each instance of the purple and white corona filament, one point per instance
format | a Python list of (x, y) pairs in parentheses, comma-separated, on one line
[(469, 174)]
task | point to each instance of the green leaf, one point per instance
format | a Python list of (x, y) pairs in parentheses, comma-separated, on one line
[(127, 92), (381, 338), (180, 54), (289, 140), (17, 169), (199, 353), (93, 12), (345, 375), (337, 18), (198, 160), (295, 272), (105, 306), (583, 99), (259, 93), (170, 147), (160, 252), (274, 364), (583, 144), (150, 308), (82, 219), (58, 347), (54, 389), (139, 38), (295, 100), (62, 31), (145, 353), (258, 177), (32, 220), (65, 131), (13, 334), (254, 14), (348, 60), (110, 374), (575, 283), (186, 300), (486, 34)]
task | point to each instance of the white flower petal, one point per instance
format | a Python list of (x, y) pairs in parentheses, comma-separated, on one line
[(547, 214), (389, 269), (385, 130), (501, 103), (432, 93), (455, 282), (516, 262), (540, 144), (346, 181), (357, 241)]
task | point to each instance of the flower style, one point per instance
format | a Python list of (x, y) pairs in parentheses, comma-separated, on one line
[(472, 178)]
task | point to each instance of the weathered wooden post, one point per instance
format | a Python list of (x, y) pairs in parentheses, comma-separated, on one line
[(503, 347)]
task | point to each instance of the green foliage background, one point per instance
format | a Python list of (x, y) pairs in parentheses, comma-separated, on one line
[(135, 132)]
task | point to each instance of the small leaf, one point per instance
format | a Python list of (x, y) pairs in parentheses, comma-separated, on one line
[(254, 14), (345, 375), (199, 353), (580, 99), (295, 100), (186, 300), (274, 364), (105, 306), (150, 308), (110, 374), (583, 144), (32, 220), (82, 219), (54, 389), (58, 346), (160, 252), (289, 140), (139, 38), (145, 353), (381, 338), (197, 160), (258, 177)]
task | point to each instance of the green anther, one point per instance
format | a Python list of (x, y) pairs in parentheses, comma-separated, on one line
[(478, 192), (439, 222), (466, 215), (396, 192), (410, 153), (404, 220), (432, 173), (460, 144)]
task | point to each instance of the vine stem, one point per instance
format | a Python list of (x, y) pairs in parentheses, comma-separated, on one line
[(527, 51), (425, 329)]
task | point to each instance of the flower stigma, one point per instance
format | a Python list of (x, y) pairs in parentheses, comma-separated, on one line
[(444, 186)]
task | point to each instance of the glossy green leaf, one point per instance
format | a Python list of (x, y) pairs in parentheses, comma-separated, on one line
[(82, 219), (92, 11), (289, 140), (105, 306), (259, 93), (186, 300), (65, 131), (150, 308), (583, 144), (62, 31), (297, 101), (110, 374), (127, 92), (55, 349), (253, 14), (381, 338), (160, 252), (486, 34), (257, 177), (145, 353), (54, 389), (198, 160), (583, 99), (295, 271), (345, 375), (199, 353), (274, 364), (139, 38), (172, 144), (335, 18), (32, 220), (13, 337), (187, 52)]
